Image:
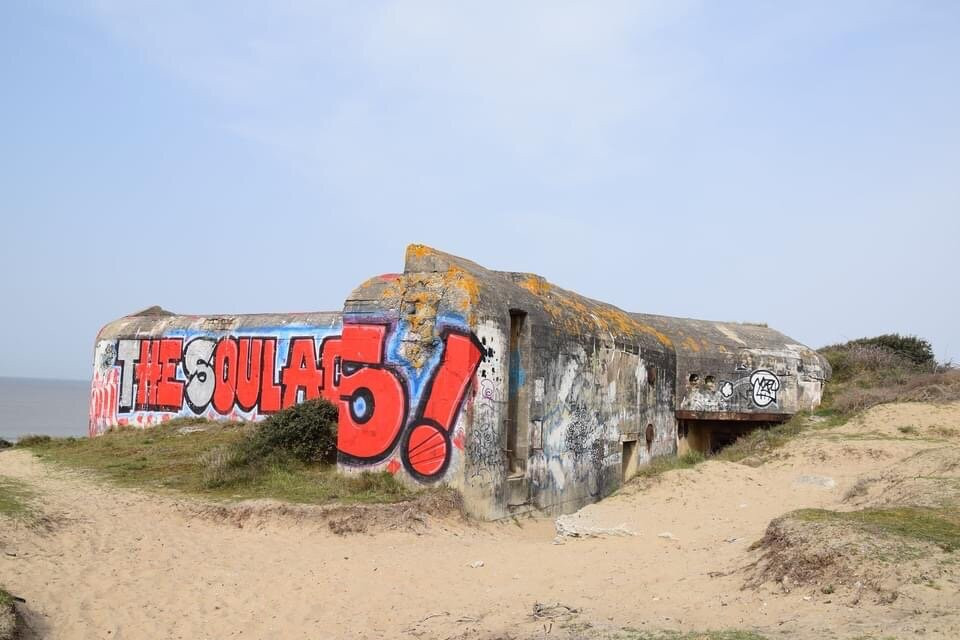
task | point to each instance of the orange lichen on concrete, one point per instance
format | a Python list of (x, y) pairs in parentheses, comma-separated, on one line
[(467, 284), (577, 314), (420, 296), (536, 285), (419, 250), (691, 344), (387, 287), (626, 324)]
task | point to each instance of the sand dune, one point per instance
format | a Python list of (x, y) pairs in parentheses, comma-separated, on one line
[(116, 563)]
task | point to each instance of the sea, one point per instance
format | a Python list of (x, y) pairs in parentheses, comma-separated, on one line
[(34, 406)]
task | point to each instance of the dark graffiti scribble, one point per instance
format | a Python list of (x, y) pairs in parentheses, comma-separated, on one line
[(765, 386), (483, 447), (579, 432)]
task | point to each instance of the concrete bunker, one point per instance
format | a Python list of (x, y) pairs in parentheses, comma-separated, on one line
[(522, 395)]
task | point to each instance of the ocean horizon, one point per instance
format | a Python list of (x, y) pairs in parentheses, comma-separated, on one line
[(43, 406)]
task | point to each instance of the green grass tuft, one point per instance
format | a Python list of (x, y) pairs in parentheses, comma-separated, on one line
[(13, 498), (729, 634), (163, 458), (587, 631), (30, 441), (937, 526), (662, 464)]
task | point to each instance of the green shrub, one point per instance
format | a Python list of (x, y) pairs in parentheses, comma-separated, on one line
[(913, 348), (32, 441), (691, 458), (850, 361), (306, 432), (887, 368), (880, 354)]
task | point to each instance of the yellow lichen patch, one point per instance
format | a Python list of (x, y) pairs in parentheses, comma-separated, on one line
[(621, 322), (387, 289), (419, 250), (419, 307), (691, 344), (392, 290), (536, 285), (466, 283), (576, 314)]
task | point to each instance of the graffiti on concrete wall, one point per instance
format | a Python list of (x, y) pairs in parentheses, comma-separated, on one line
[(428, 443), (382, 402), (764, 385), (580, 432), (484, 449), (584, 440), (759, 389)]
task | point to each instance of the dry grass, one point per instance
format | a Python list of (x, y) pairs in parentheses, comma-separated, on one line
[(860, 394), (586, 631), (163, 457), (875, 549), (864, 376), (849, 551), (13, 499), (868, 375), (936, 526), (8, 617), (754, 447), (662, 464)]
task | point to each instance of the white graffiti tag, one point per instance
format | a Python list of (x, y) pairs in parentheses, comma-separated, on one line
[(198, 367), (765, 387)]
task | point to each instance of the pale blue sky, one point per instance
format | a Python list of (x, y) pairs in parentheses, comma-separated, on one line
[(788, 162)]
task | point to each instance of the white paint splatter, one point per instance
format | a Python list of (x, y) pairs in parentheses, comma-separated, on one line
[(556, 472), (566, 381)]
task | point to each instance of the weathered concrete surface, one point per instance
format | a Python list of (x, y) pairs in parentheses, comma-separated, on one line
[(519, 393), (738, 368), (553, 397)]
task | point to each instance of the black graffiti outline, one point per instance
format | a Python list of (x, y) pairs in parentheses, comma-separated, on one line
[(125, 366), (483, 449), (274, 370), (189, 376), (155, 343), (418, 419), (346, 368), (766, 386), (317, 363), (582, 425)]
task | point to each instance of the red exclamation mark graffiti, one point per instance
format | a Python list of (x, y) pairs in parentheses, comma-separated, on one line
[(427, 449)]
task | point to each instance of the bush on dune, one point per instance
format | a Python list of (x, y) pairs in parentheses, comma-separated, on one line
[(305, 433), (887, 368)]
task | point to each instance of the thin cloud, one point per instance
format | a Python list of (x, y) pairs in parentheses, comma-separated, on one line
[(554, 85)]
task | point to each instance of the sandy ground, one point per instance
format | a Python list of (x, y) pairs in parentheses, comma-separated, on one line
[(117, 563)]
